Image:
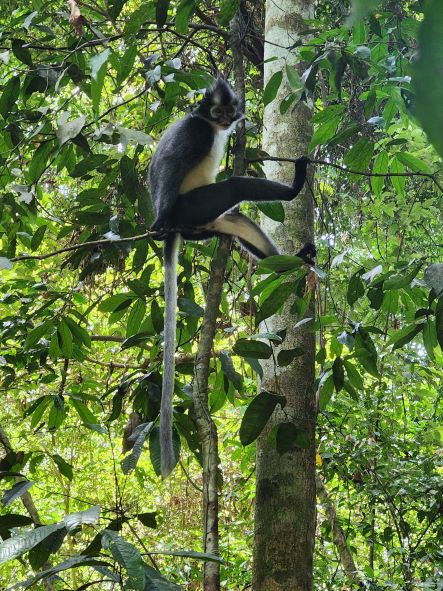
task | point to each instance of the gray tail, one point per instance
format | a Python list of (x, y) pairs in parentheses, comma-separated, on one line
[(170, 262)]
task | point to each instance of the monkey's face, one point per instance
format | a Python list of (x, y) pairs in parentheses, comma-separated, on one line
[(220, 105)]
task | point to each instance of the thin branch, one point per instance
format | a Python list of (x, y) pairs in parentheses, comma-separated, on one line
[(429, 175), (90, 244)]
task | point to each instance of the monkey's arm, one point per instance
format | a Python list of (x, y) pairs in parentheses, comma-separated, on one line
[(180, 150), (204, 204)]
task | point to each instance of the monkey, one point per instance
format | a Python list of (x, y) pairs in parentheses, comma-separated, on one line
[(189, 204)]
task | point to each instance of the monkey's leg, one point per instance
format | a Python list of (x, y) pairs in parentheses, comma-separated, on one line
[(205, 204), (248, 233)]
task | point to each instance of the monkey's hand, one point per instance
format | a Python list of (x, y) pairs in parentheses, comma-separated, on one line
[(308, 253), (161, 229)]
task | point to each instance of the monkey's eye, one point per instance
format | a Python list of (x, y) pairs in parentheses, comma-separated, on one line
[(216, 112)]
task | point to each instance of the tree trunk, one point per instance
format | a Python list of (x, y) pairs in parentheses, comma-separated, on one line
[(285, 489), (207, 430)]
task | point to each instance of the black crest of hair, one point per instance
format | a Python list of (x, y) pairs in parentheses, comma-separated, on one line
[(189, 204)]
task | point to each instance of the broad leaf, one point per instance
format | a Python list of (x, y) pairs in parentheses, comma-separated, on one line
[(257, 415)]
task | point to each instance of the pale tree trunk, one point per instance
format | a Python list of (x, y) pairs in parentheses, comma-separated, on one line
[(285, 489)]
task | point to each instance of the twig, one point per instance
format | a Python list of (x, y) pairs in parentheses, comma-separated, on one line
[(429, 175), (89, 244)]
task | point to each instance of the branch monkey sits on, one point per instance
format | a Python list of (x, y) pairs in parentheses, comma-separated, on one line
[(188, 203)]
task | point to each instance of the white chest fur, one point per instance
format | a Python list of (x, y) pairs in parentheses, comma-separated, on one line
[(206, 171)]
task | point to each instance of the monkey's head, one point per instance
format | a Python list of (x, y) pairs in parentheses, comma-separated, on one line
[(220, 105)]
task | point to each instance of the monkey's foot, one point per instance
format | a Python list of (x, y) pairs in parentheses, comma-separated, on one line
[(307, 253)]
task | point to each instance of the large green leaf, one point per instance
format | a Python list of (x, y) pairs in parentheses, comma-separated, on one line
[(129, 463), (427, 78), (272, 87), (8, 100), (252, 348), (127, 556), (257, 415), (439, 321)]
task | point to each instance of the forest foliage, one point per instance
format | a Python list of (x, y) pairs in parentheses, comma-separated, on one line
[(86, 89)]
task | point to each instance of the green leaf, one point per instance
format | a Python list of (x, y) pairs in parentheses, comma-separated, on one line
[(127, 556), (204, 556), (353, 375), (326, 388), (21, 53), (251, 348), (74, 562), (190, 308), (257, 415), (287, 356), (148, 519), (426, 78), (294, 78), (273, 209), (279, 263), (412, 162), (11, 520), (161, 12), (356, 288), (380, 167), (129, 463), (18, 545), (274, 301), (135, 340), (229, 369), (401, 280), (83, 412), (366, 352), (360, 9), (289, 437), (79, 334), (135, 318), (116, 302), (39, 161), (37, 333), (42, 551), (65, 339), (184, 11), (228, 8), (145, 13), (338, 373), (66, 130), (439, 321), (398, 182), (115, 7), (404, 336), (57, 414), (9, 496), (360, 155), (63, 466), (272, 87), (38, 236), (10, 94)]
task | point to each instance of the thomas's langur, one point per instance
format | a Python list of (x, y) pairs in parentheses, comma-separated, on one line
[(189, 204)]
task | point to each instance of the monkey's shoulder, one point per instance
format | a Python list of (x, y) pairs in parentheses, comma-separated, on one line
[(190, 133)]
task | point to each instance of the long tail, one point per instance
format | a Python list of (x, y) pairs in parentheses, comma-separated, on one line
[(170, 262)]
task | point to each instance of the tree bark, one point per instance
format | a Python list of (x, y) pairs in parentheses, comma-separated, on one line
[(285, 486), (206, 427)]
